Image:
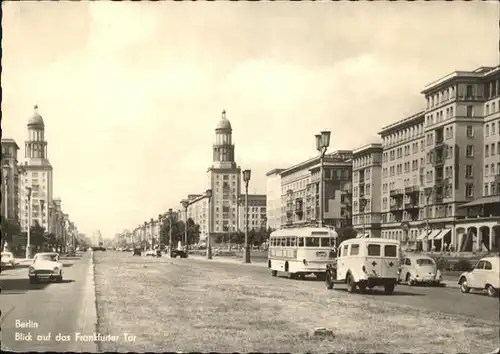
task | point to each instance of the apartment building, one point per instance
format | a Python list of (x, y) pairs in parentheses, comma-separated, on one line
[(367, 190), (273, 198), (198, 211), (300, 191), (10, 180), (403, 162), (440, 167), (257, 206)]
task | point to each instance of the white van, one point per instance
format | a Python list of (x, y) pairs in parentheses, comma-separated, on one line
[(365, 263)]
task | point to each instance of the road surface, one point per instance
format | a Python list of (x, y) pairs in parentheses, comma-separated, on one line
[(46, 316)]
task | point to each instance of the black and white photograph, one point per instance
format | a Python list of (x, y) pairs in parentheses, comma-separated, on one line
[(250, 176)]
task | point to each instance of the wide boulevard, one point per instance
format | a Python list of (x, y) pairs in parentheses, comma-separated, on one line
[(48, 316)]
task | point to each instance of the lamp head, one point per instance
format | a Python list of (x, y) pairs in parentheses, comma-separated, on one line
[(325, 139), (318, 142), (246, 175), (208, 193), (185, 203)]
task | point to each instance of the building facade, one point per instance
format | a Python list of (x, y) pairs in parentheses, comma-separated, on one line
[(367, 190), (36, 174), (10, 180), (273, 198), (300, 191), (257, 206), (441, 166)]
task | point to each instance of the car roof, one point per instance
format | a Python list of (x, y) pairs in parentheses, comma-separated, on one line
[(387, 241), (418, 256), (494, 260)]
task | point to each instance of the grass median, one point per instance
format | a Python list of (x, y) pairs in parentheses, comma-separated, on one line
[(189, 306)]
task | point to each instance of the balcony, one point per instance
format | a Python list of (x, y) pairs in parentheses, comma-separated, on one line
[(396, 192), (439, 142), (412, 189), (411, 206), (497, 178), (438, 162), (396, 207)]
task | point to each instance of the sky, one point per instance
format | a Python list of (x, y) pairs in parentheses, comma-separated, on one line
[(131, 92)]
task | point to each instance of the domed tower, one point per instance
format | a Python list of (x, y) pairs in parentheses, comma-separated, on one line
[(223, 147), (224, 176), (37, 176), (36, 146)]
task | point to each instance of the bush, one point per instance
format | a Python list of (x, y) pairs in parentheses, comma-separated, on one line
[(443, 264), (462, 265)]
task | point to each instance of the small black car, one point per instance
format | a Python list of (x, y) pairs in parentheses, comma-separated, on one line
[(178, 254), (137, 252)]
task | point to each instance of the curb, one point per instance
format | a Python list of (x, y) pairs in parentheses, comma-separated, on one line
[(88, 314), (228, 261)]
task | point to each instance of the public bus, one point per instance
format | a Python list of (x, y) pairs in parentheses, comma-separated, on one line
[(301, 251)]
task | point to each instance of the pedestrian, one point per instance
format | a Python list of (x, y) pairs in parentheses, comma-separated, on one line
[(445, 247)]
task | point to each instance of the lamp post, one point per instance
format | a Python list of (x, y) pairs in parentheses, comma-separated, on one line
[(152, 223), (6, 190), (362, 206), (160, 218), (428, 194), (246, 178), (185, 205), (28, 239), (145, 235), (322, 144), (208, 195), (49, 218), (169, 214), (42, 209)]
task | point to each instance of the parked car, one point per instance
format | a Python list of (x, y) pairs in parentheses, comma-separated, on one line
[(484, 276), (365, 263), (46, 266), (419, 269), (8, 260), (178, 254), (150, 253), (137, 251)]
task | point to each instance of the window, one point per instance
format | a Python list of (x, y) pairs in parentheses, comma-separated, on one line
[(469, 190), (470, 131), (312, 241), (486, 189), (487, 265), (425, 261), (407, 261), (486, 150), (344, 250), (469, 151), (373, 250), (354, 250), (390, 251), (479, 265), (301, 241), (470, 111), (469, 171), (487, 130), (283, 242)]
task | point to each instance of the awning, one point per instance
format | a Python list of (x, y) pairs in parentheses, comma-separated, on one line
[(423, 235), (442, 234), (492, 199)]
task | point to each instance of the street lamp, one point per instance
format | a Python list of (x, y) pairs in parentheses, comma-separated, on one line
[(362, 206), (322, 144), (6, 189), (169, 214), (49, 218), (145, 236), (185, 205), (208, 195), (428, 194), (160, 224), (246, 178), (152, 223), (28, 239)]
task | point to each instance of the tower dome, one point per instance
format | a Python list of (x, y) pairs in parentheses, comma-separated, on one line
[(36, 120), (224, 123)]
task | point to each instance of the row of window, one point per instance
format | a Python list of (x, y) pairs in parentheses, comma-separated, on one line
[(489, 149), (492, 128), (295, 241), (372, 250)]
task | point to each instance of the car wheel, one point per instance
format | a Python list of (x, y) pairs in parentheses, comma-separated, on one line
[(274, 273), (492, 292), (464, 287), (389, 288), (351, 285)]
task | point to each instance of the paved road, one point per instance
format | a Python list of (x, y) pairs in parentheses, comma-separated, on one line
[(446, 300), (49, 309)]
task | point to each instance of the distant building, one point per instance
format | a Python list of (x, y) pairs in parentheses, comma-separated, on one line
[(10, 180), (256, 212), (273, 198), (300, 191)]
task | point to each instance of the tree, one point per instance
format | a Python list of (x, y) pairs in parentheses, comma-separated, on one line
[(346, 233), (9, 228), (193, 230), (37, 234)]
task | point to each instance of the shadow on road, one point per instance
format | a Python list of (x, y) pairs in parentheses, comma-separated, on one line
[(382, 293), (9, 286)]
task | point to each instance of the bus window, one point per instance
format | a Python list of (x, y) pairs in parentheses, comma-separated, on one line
[(374, 250), (390, 251), (283, 242), (354, 250), (325, 242), (288, 240), (293, 241), (312, 241), (301, 242), (344, 250)]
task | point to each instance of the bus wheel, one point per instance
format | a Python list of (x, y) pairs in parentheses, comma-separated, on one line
[(351, 285), (274, 273)]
